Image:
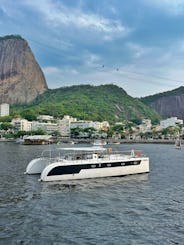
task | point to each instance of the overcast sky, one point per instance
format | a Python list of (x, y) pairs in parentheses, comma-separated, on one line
[(135, 44)]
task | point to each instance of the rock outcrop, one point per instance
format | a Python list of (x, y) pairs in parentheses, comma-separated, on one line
[(168, 104), (21, 78)]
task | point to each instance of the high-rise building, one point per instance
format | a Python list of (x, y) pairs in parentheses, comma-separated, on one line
[(4, 110)]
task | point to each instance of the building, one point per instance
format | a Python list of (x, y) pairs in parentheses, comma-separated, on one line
[(170, 122), (48, 127), (90, 124), (21, 124), (145, 126), (45, 118), (4, 110), (102, 126), (64, 125)]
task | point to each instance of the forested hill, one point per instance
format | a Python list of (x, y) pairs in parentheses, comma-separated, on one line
[(104, 102), (167, 104)]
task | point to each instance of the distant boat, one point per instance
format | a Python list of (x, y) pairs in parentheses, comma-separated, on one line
[(99, 142), (116, 142), (178, 144), (19, 141)]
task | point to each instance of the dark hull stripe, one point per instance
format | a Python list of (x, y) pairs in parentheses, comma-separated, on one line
[(74, 169)]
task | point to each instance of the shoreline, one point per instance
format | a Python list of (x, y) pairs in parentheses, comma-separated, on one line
[(120, 141), (109, 141)]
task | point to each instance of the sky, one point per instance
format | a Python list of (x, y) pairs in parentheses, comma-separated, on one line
[(135, 44)]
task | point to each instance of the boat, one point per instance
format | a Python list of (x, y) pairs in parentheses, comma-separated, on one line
[(38, 140), (99, 142), (19, 141), (88, 162), (178, 144)]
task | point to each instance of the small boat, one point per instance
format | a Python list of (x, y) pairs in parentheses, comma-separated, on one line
[(88, 162), (99, 142), (116, 142), (19, 141), (178, 144)]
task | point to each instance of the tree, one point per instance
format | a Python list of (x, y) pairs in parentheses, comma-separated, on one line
[(6, 119), (5, 126), (29, 114), (21, 133)]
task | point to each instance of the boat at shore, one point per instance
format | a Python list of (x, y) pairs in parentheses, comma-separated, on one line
[(99, 142), (178, 144), (38, 140), (87, 162)]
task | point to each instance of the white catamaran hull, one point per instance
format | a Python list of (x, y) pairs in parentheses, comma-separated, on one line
[(53, 172), (36, 166)]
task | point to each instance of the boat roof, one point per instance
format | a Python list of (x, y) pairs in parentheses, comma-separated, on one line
[(90, 149), (38, 137)]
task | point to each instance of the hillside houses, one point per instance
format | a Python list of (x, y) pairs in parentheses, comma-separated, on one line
[(72, 127)]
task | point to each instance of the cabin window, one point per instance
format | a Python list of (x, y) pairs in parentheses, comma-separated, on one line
[(122, 164), (93, 166), (108, 165)]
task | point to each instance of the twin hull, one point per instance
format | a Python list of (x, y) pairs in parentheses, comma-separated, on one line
[(37, 165)]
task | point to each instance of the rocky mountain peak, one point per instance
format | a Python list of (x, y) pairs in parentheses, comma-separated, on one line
[(21, 78)]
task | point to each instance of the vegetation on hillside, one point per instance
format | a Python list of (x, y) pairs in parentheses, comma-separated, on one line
[(11, 37), (97, 103)]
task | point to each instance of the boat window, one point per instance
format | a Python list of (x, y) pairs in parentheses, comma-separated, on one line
[(93, 166), (122, 164), (108, 165)]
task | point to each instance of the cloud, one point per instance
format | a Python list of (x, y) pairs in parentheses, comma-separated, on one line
[(59, 15), (173, 7), (137, 50), (9, 9)]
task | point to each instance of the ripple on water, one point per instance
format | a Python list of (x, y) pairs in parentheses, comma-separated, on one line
[(139, 209)]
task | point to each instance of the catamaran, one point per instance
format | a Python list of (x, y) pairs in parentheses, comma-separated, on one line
[(88, 162)]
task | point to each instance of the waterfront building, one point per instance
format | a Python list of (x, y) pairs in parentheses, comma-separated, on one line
[(170, 122), (90, 124), (4, 109), (145, 126), (102, 126), (64, 125), (83, 124), (21, 124), (48, 127)]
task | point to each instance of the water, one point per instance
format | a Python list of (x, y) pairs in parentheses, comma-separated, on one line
[(138, 209)]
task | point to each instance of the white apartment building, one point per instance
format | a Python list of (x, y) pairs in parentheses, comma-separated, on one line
[(145, 126), (170, 122), (4, 110), (45, 118), (84, 124), (21, 124), (64, 125), (102, 126), (46, 127)]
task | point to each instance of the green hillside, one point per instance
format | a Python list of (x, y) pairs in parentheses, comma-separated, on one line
[(97, 103)]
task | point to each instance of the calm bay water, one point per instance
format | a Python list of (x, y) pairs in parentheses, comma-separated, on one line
[(138, 209)]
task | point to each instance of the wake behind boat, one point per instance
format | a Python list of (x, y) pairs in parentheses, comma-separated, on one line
[(88, 162)]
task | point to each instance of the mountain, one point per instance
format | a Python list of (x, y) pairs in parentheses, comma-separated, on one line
[(167, 104), (21, 79), (105, 102)]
